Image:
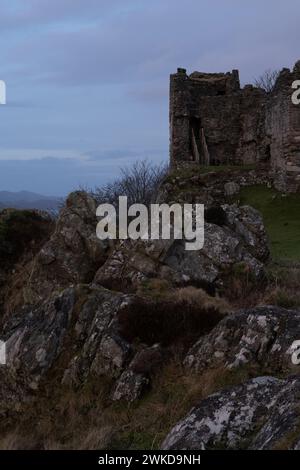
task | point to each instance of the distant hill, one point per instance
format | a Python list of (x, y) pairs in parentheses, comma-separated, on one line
[(28, 200)]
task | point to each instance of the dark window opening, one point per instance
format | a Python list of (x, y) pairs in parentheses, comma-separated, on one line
[(195, 138), (267, 156)]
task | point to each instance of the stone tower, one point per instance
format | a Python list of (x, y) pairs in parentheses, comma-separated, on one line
[(213, 121)]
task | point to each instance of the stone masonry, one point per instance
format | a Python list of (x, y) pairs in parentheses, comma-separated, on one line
[(213, 121)]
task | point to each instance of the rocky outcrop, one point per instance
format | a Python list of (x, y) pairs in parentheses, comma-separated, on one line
[(88, 332), (79, 326), (35, 337), (262, 413), (98, 348), (235, 237), (261, 337), (130, 386), (231, 189), (136, 378), (73, 254), (192, 183), (87, 319)]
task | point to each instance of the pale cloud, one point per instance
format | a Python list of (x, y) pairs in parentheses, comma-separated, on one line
[(40, 154)]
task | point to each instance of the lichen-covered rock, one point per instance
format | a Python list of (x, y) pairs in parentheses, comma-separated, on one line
[(86, 317), (72, 255), (247, 222), (262, 413), (238, 238), (130, 386), (261, 337), (135, 380), (98, 347), (34, 337), (79, 327)]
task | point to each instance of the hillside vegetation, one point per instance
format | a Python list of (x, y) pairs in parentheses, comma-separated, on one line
[(281, 217)]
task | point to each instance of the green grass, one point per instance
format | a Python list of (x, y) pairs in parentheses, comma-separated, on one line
[(220, 168), (281, 215), (192, 170)]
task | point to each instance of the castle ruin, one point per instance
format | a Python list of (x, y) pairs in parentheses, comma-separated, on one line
[(213, 121)]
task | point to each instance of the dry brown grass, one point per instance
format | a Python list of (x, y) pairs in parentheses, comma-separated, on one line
[(87, 419), (194, 296)]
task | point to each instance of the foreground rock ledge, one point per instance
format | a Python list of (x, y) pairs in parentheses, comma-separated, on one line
[(261, 337), (262, 413)]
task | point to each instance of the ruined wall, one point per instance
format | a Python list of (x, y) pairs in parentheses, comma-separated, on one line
[(213, 121), (214, 107), (283, 126)]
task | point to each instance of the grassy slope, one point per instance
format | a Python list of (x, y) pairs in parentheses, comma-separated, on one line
[(282, 219)]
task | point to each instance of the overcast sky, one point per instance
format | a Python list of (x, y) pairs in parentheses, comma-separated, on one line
[(87, 80)]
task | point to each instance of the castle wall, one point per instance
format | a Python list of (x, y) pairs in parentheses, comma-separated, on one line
[(283, 125), (213, 121)]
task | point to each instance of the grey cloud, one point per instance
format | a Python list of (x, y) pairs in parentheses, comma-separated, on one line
[(20, 14), (100, 69), (148, 43)]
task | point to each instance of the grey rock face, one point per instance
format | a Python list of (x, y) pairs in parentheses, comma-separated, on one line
[(98, 347), (262, 413), (88, 317), (80, 324), (242, 239), (73, 254), (130, 386), (136, 378), (260, 337), (248, 224), (34, 338), (231, 188)]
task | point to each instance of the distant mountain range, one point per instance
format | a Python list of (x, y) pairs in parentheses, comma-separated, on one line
[(28, 200)]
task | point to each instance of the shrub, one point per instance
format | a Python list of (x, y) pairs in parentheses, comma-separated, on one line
[(267, 80), (166, 322), (21, 231), (139, 182)]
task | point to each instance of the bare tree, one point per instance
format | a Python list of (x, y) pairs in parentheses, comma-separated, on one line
[(139, 182), (267, 80)]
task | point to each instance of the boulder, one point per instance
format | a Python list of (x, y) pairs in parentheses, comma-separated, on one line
[(261, 337), (35, 337), (98, 348), (262, 413), (72, 255), (130, 386), (231, 188), (77, 335), (239, 238), (248, 224), (135, 380), (80, 323)]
